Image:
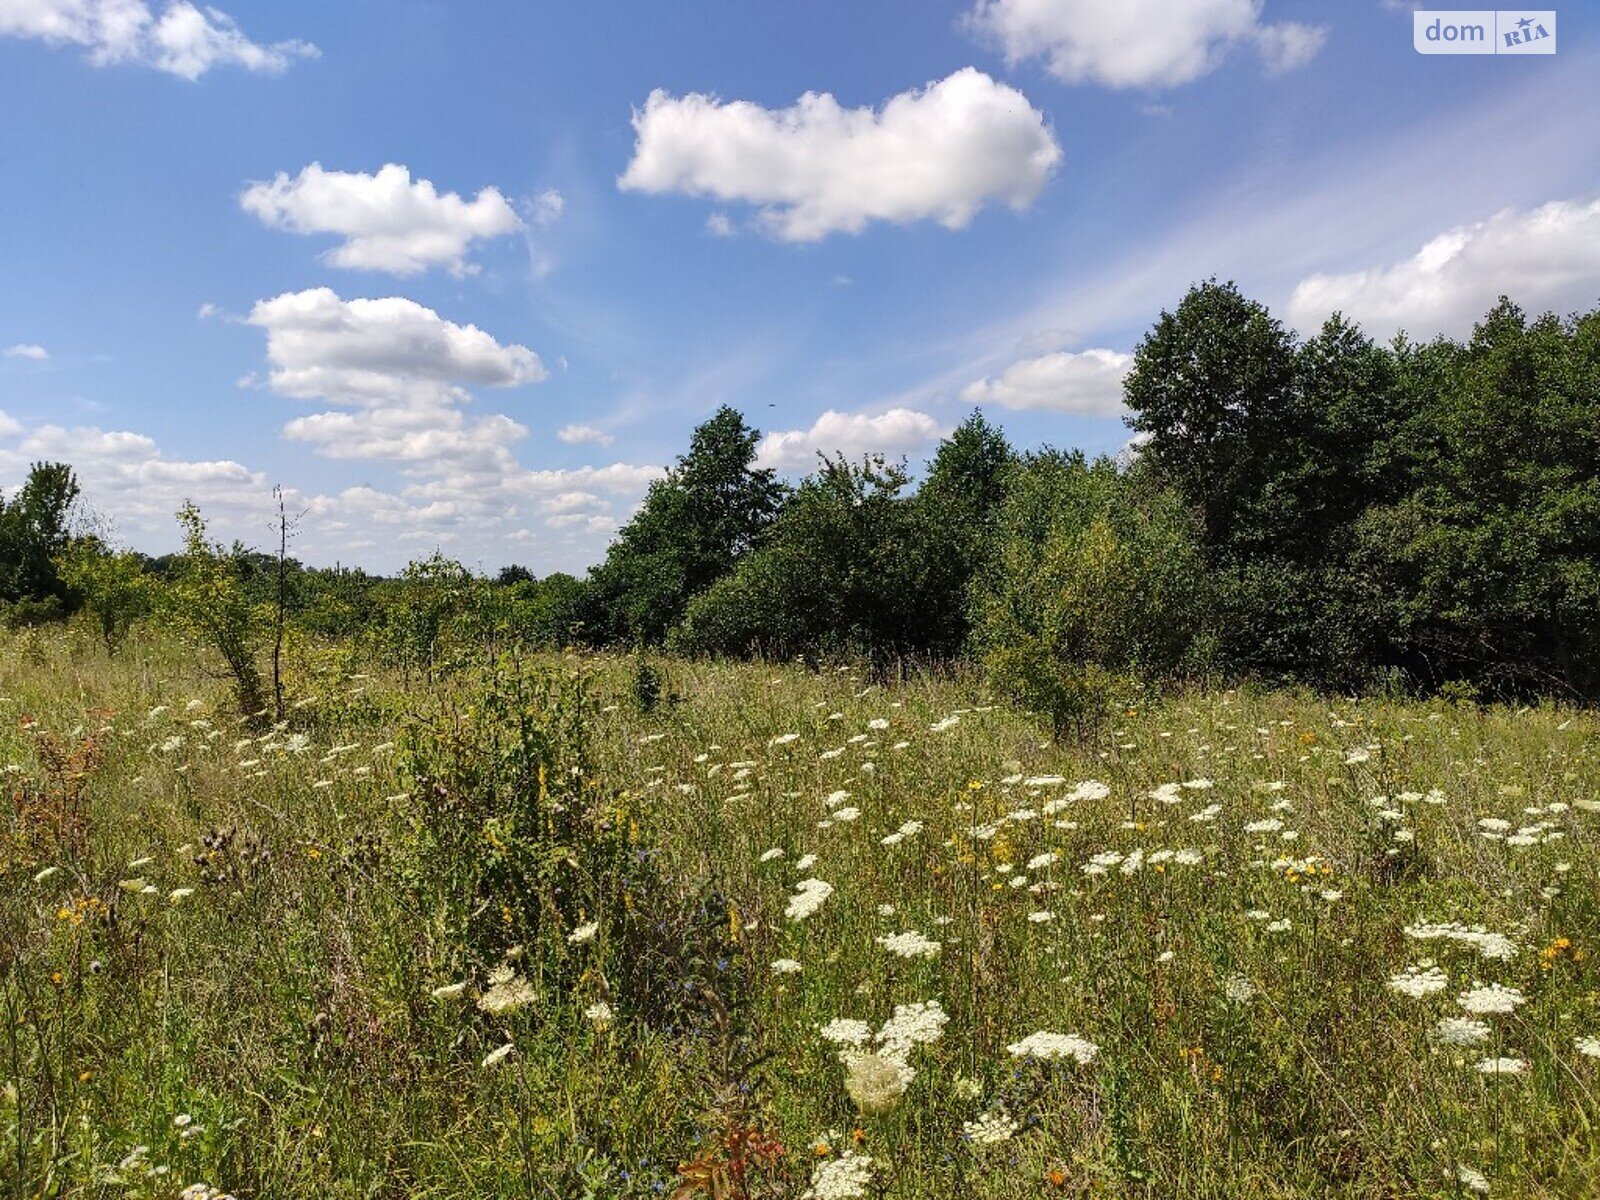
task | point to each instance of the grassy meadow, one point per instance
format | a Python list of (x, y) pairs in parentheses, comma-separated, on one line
[(565, 928)]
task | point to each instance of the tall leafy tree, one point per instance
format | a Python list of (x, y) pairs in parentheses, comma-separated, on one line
[(957, 508), (35, 527), (847, 568), (1491, 558), (695, 523), (1213, 391)]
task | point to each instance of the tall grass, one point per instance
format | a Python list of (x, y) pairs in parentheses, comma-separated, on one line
[(231, 958)]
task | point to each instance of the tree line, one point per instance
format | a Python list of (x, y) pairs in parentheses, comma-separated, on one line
[(1330, 511)]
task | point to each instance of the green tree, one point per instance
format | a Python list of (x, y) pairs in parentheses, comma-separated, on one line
[(957, 508), (422, 618), (695, 523), (1213, 390), (847, 568), (549, 611), (1491, 558), (35, 527), (112, 585), (209, 600), (1098, 586)]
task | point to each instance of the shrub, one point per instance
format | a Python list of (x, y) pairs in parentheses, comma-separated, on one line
[(516, 847), (1097, 583), (208, 600), (114, 587)]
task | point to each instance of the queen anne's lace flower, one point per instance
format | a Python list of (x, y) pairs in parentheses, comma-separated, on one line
[(909, 944), (877, 1081), (1488, 945), (1055, 1047), (1460, 1031), (809, 895), (842, 1178), (1418, 981), (507, 992), (1491, 999), (990, 1129), (1502, 1066)]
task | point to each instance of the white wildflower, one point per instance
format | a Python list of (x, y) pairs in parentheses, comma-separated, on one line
[(1055, 1047), (1491, 999), (809, 895), (1418, 981), (990, 1129), (1502, 1066), (1460, 1031), (909, 944)]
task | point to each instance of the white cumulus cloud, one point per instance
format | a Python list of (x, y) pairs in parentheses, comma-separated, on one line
[(1140, 43), (128, 478), (940, 152), (898, 431), (1546, 258), (575, 434), (28, 350), (184, 40), (390, 222), (381, 351), (1086, 382), (400, 373)]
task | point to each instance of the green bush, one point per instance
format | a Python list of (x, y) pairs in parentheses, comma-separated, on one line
[(1097, 583), (208, 601), (113, 587), (517, 846)]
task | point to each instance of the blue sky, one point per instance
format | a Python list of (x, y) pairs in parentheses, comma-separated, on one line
[(995, 203)]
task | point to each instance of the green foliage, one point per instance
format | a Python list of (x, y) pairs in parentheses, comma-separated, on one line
[(208, 600), (516, 842), (846, 569), (1490, 560), (1097, 581), (113, 586), (425, 621), (265, 964), (707, 512), (1424, 508), (646, 685), (548, 612), (1212, 390), (35, 526), (958, 507)]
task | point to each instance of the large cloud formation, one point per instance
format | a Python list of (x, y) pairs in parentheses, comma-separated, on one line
[(1087, 383), (389, 221), (898, 431), (940, 152), (184, 40), (1546, 258), (1140, 43)]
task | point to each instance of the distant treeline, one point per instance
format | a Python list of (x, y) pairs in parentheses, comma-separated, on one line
[(1332, 511)]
